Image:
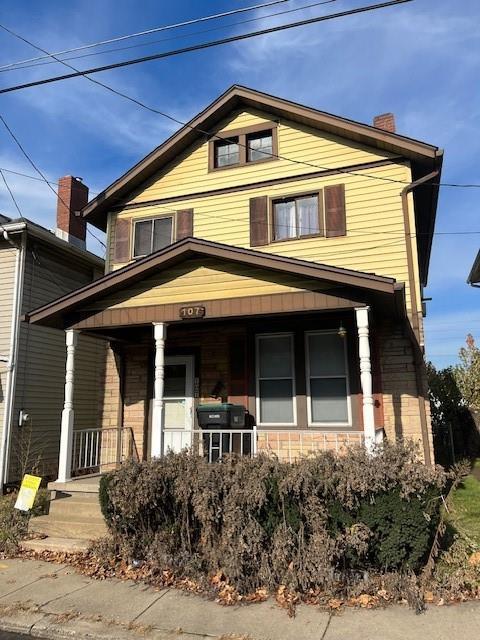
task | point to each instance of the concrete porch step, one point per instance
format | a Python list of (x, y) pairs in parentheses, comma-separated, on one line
[(61, 545), (80, 507), (65, 527)]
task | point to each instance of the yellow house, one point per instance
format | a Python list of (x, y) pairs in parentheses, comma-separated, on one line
[(267, 256)]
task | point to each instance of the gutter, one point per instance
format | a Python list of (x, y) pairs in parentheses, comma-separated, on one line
[(13, 352)]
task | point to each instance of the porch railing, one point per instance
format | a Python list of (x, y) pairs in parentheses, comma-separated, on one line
[(286, 445), (96, 450)]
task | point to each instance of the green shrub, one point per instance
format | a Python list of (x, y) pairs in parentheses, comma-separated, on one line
[(265, 523)]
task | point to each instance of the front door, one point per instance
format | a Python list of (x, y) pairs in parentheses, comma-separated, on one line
[(178, 398)]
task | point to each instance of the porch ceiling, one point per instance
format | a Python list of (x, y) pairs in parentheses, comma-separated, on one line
[(154, 288)]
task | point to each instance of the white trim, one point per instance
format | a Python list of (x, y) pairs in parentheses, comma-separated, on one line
[(346, 377), (68, 413), (176, 438), (258, 337), (159, 337), (361, 317), (152, 220), (12, 367)]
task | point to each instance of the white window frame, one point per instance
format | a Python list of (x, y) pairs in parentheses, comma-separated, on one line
[(152, 220), (263, 336), (311, 423)]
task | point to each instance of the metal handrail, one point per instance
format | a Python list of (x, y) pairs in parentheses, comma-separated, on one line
[(94, 449)]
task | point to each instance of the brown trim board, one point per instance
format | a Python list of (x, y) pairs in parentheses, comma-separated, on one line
[(193, 247), (258, 185), (223, 308)]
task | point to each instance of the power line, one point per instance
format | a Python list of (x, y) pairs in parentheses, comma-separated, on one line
[(216, 136), (20, 146), (11, 193), (206, 45), (466, 232), (25, 175), (152, 42), (149, 31)]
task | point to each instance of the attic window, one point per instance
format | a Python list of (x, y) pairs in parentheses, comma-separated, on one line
[(257, 143), (227, 152)]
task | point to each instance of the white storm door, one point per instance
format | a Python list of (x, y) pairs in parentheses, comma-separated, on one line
[(178, 399)]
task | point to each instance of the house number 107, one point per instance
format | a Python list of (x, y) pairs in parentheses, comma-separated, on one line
[(192, 312)]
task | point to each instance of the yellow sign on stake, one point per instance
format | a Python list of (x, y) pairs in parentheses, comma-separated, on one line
[(27, 493)]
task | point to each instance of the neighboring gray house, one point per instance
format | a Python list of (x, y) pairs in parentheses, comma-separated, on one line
[(37, 266)]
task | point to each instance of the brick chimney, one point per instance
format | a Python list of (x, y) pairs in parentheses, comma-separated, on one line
[(72, 196), (385, 121)]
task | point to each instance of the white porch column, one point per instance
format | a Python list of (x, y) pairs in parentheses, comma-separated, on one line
[(361, 315), (66, 437), (159, 334)]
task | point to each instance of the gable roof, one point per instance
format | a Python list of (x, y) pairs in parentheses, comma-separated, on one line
[(426, 157), (51, 313)]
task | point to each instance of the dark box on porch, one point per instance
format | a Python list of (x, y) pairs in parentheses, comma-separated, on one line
[(223, 414)]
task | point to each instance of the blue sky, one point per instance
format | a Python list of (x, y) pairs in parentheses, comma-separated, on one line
[(420, 60)]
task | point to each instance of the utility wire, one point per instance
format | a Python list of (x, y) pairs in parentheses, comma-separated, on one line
[(22, 149), (206, 45), (11, 193), (148, 32), (26, 175), (143, 105), (152, 42)]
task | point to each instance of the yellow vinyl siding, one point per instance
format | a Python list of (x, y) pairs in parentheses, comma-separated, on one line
[(189, 172), (201, 280), (375, 240)]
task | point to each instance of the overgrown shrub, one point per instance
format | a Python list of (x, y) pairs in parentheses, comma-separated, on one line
[(262, 522), (14, 523)]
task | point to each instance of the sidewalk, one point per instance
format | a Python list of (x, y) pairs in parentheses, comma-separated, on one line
[(52, 601)]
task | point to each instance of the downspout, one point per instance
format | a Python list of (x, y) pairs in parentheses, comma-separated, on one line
[(13, 355), (408, 236), (418, 358)]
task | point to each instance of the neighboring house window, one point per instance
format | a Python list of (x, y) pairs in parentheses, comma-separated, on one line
[(227, 152), (275, 379), (151, 235), (259, 146), (296, 217), (327, 379), (243, 146)]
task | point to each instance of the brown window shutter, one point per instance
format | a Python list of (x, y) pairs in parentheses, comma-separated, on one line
[(121, 251), (184, 224), (258, 221), (335, 219)]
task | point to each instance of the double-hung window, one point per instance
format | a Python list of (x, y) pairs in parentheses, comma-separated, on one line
[(297, 217), (152, 235), (259, 146), (275, 379), (327, 379), (240, 147)]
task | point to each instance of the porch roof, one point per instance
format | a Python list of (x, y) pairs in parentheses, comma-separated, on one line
[(357, 286)]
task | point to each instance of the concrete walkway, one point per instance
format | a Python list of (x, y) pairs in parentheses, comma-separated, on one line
[(52, 601)]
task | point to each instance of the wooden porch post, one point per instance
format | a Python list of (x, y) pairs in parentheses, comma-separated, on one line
[(159, 334), (361, 316), (66, 437)]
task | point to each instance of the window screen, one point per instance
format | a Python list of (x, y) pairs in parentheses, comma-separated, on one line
[(327, 372), (151, 235), (275, 379)]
